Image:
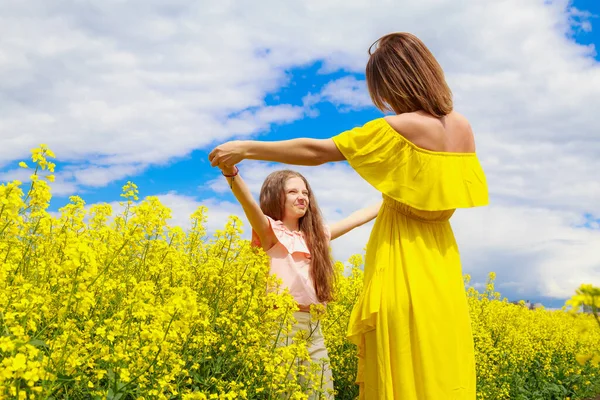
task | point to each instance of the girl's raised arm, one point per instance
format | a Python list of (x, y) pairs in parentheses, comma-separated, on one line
[(354, 220), (258, 220)]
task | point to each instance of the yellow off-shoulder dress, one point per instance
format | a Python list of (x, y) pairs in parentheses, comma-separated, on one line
[(411, 323)]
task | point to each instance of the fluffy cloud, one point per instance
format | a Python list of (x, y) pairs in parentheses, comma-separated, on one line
[(534, 251), (347, 93)]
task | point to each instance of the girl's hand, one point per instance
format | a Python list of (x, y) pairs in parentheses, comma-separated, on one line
[(355, 220), (227, 170)]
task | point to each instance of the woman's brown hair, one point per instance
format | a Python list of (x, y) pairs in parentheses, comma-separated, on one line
[(404, 76), (272, 203)]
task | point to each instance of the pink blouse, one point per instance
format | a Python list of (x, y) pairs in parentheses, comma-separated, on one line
[(291, 262)]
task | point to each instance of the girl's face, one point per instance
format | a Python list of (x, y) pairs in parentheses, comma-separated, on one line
[(296, 198)]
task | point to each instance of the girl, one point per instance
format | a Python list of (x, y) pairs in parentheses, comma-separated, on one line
[(288, 225)]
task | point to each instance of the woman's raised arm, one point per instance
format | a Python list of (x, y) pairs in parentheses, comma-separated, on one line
[(295, 152)]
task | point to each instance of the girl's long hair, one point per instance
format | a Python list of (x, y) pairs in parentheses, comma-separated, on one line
[(272, 203)]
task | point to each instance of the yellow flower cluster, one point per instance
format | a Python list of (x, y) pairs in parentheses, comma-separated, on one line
[(587, 299), (95, 305), (531, 354)]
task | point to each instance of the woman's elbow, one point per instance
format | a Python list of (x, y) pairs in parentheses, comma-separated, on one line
[(318, 159), (321, 158), (326, 151)]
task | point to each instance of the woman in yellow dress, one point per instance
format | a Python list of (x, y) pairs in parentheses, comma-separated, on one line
[(411, 323)]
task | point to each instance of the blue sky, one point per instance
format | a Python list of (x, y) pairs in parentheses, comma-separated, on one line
[(591, 36), (140, 92)]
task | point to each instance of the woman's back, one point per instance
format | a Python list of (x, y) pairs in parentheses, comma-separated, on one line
[(451, 133)]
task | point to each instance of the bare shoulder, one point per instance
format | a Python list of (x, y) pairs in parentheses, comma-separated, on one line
[(451, 133), (459, 133), (423, 130)]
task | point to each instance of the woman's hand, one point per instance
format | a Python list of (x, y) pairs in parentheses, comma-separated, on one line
[(227, 154)]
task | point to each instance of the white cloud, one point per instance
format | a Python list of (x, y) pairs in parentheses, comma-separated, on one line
[(130, 83), (347, 93), (102, 175), (62, 185), (249, 122), (532, 250), (182, 207)]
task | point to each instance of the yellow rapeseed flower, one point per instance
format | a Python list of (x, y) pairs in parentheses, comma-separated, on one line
[(95, 303)]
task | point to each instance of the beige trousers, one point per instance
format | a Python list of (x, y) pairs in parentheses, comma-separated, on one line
[(317, 352)]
